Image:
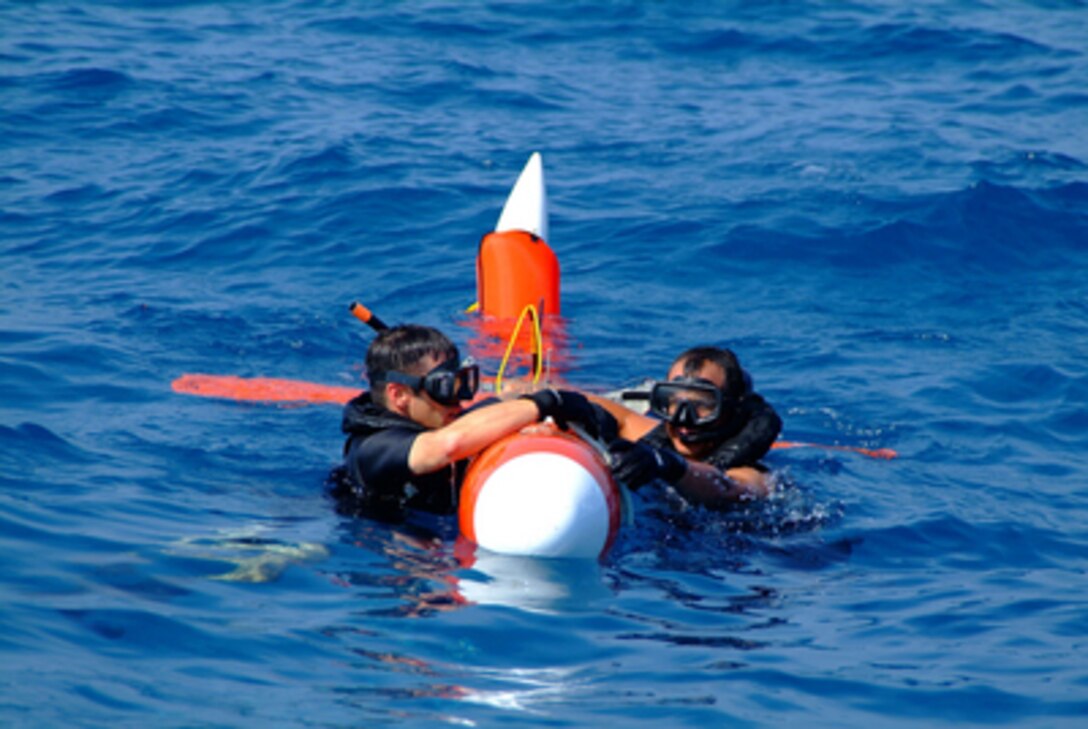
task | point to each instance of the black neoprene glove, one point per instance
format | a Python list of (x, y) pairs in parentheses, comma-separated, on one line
[(638, 463), (564, 407)]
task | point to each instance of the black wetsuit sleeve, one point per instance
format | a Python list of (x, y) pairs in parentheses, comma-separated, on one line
[(607, 426), (381, 461), (761, 428), (374, 478)]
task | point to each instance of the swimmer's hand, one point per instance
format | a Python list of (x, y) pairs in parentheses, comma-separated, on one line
[(636, 464), (564, 407)]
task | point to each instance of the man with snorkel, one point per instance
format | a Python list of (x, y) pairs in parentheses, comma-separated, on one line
[(409, 437), (712, 431)]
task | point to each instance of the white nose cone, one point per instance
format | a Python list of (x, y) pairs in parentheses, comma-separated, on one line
[(527, 207), (542, 496), (542, 504)]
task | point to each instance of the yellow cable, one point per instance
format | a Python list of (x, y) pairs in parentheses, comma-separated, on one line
[(538, 343)]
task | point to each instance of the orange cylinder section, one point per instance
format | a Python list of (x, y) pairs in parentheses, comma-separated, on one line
[(514, 269)]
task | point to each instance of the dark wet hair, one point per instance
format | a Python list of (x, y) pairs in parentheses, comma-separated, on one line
[(402, 348), (695, 358)]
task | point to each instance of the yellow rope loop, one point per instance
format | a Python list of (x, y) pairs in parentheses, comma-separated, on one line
[(536, 351), (535, 347)]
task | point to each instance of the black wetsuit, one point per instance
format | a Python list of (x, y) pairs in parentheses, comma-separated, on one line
[(747, 437), (375, 480)]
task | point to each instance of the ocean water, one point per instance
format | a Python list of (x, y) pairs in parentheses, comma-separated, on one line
[(881, 206)]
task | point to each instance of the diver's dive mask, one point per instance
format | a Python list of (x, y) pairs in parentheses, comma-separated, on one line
[(446, 384), (694, 404), (687, 402)]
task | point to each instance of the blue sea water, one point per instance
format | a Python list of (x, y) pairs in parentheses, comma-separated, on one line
[(881, 206)]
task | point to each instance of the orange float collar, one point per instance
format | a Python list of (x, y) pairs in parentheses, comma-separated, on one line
[(514, 269)]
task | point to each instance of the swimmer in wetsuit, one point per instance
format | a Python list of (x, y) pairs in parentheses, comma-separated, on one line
[(408, 437), (709, 415)]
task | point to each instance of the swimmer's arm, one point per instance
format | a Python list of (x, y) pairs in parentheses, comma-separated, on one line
[(632, 425), (706, 485), (469, 434)]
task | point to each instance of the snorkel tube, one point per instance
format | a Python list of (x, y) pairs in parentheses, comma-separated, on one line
[(366, 316)]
